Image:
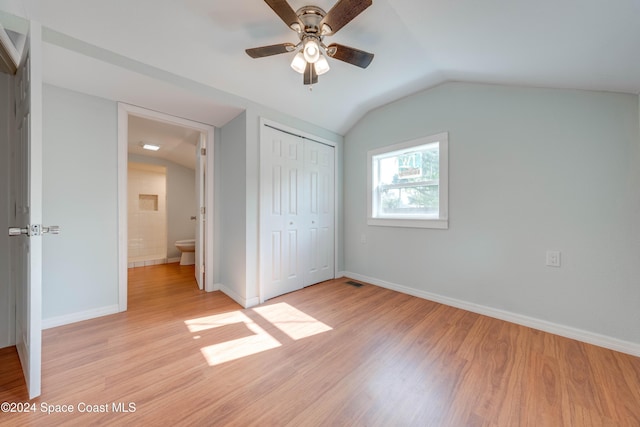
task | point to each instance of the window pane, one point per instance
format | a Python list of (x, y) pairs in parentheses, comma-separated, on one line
[(411, 200), (421, 164)]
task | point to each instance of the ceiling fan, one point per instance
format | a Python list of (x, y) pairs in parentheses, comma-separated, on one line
[(312, 25)]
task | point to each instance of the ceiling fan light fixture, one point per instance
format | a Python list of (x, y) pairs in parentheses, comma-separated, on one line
[(322, 65), (299, 64), (311, 50)]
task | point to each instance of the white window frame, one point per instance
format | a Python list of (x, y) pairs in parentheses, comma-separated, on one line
[(441, 220)]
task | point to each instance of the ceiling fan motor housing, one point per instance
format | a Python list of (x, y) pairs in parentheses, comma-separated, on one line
[(310, 16)]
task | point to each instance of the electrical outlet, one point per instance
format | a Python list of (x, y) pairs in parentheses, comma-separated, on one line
[(363, 238), (553, 258)]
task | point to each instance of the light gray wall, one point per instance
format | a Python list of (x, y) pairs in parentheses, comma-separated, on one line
[(6, 296), (230, 159), (181, 200), (252, 195), (80, 265), (80, 157), (530, 170), (217, 207)]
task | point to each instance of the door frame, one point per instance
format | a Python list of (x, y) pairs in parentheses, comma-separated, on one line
[(337, 206), (124, 111)]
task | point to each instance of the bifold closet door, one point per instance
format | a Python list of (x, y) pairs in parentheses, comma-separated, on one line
[(296, 213), (319, 204), (281, 178)]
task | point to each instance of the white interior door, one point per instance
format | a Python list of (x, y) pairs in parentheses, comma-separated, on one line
[(319, 203), (201, 170), (281, 222), (26, 208)]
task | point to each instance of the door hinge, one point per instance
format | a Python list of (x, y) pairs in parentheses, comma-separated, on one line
[(203, 151), (203, 210)]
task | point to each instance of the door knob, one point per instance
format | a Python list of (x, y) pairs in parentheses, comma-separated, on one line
[(17, 231), (52, 229), (34, 230)]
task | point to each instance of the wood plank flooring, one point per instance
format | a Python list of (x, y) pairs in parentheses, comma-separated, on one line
[(329, 355)]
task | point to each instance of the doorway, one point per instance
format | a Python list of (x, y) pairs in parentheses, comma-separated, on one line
[(204, 192)]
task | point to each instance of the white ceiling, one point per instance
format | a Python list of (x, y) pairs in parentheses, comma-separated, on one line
[(177, 144), (577, 44)]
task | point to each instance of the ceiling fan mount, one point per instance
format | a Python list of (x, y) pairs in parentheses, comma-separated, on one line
[(313, 24), (310, 17)]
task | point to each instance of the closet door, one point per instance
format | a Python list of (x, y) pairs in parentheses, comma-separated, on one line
[(296, 212), (281, 216), (319, 203)]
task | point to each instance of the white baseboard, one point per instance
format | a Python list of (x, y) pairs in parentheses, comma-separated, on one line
[(531, 322), (251, 302), (52, 322), (244, 302)]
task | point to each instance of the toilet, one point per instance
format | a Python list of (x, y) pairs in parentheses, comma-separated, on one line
[(188, 250)]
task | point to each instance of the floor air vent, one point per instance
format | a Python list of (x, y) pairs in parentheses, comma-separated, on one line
[(352, 283)]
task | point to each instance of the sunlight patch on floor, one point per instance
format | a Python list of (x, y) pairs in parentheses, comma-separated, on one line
[(291, 321), (233, 349)]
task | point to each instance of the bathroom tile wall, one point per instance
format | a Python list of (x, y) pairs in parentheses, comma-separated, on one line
[(181, 201), (147, 214)]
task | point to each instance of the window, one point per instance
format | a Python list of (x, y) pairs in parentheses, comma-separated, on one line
[(408, 183)]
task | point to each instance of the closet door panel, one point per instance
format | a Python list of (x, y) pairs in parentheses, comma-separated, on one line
[(281, 176), (319, 202)]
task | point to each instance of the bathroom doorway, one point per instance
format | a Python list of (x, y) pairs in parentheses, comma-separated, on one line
[(184, 149)]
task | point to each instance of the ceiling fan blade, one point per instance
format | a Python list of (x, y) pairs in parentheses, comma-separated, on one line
[(310, 76), (351, 55), (274, 49), (285, 12), (342, 13)]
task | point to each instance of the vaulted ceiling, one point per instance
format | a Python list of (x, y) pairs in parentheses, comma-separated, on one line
[(576, 44)]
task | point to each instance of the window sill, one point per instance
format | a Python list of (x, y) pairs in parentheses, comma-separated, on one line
[(442, 224)]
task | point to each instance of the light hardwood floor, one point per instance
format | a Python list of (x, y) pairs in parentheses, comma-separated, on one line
[(329, 355)]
